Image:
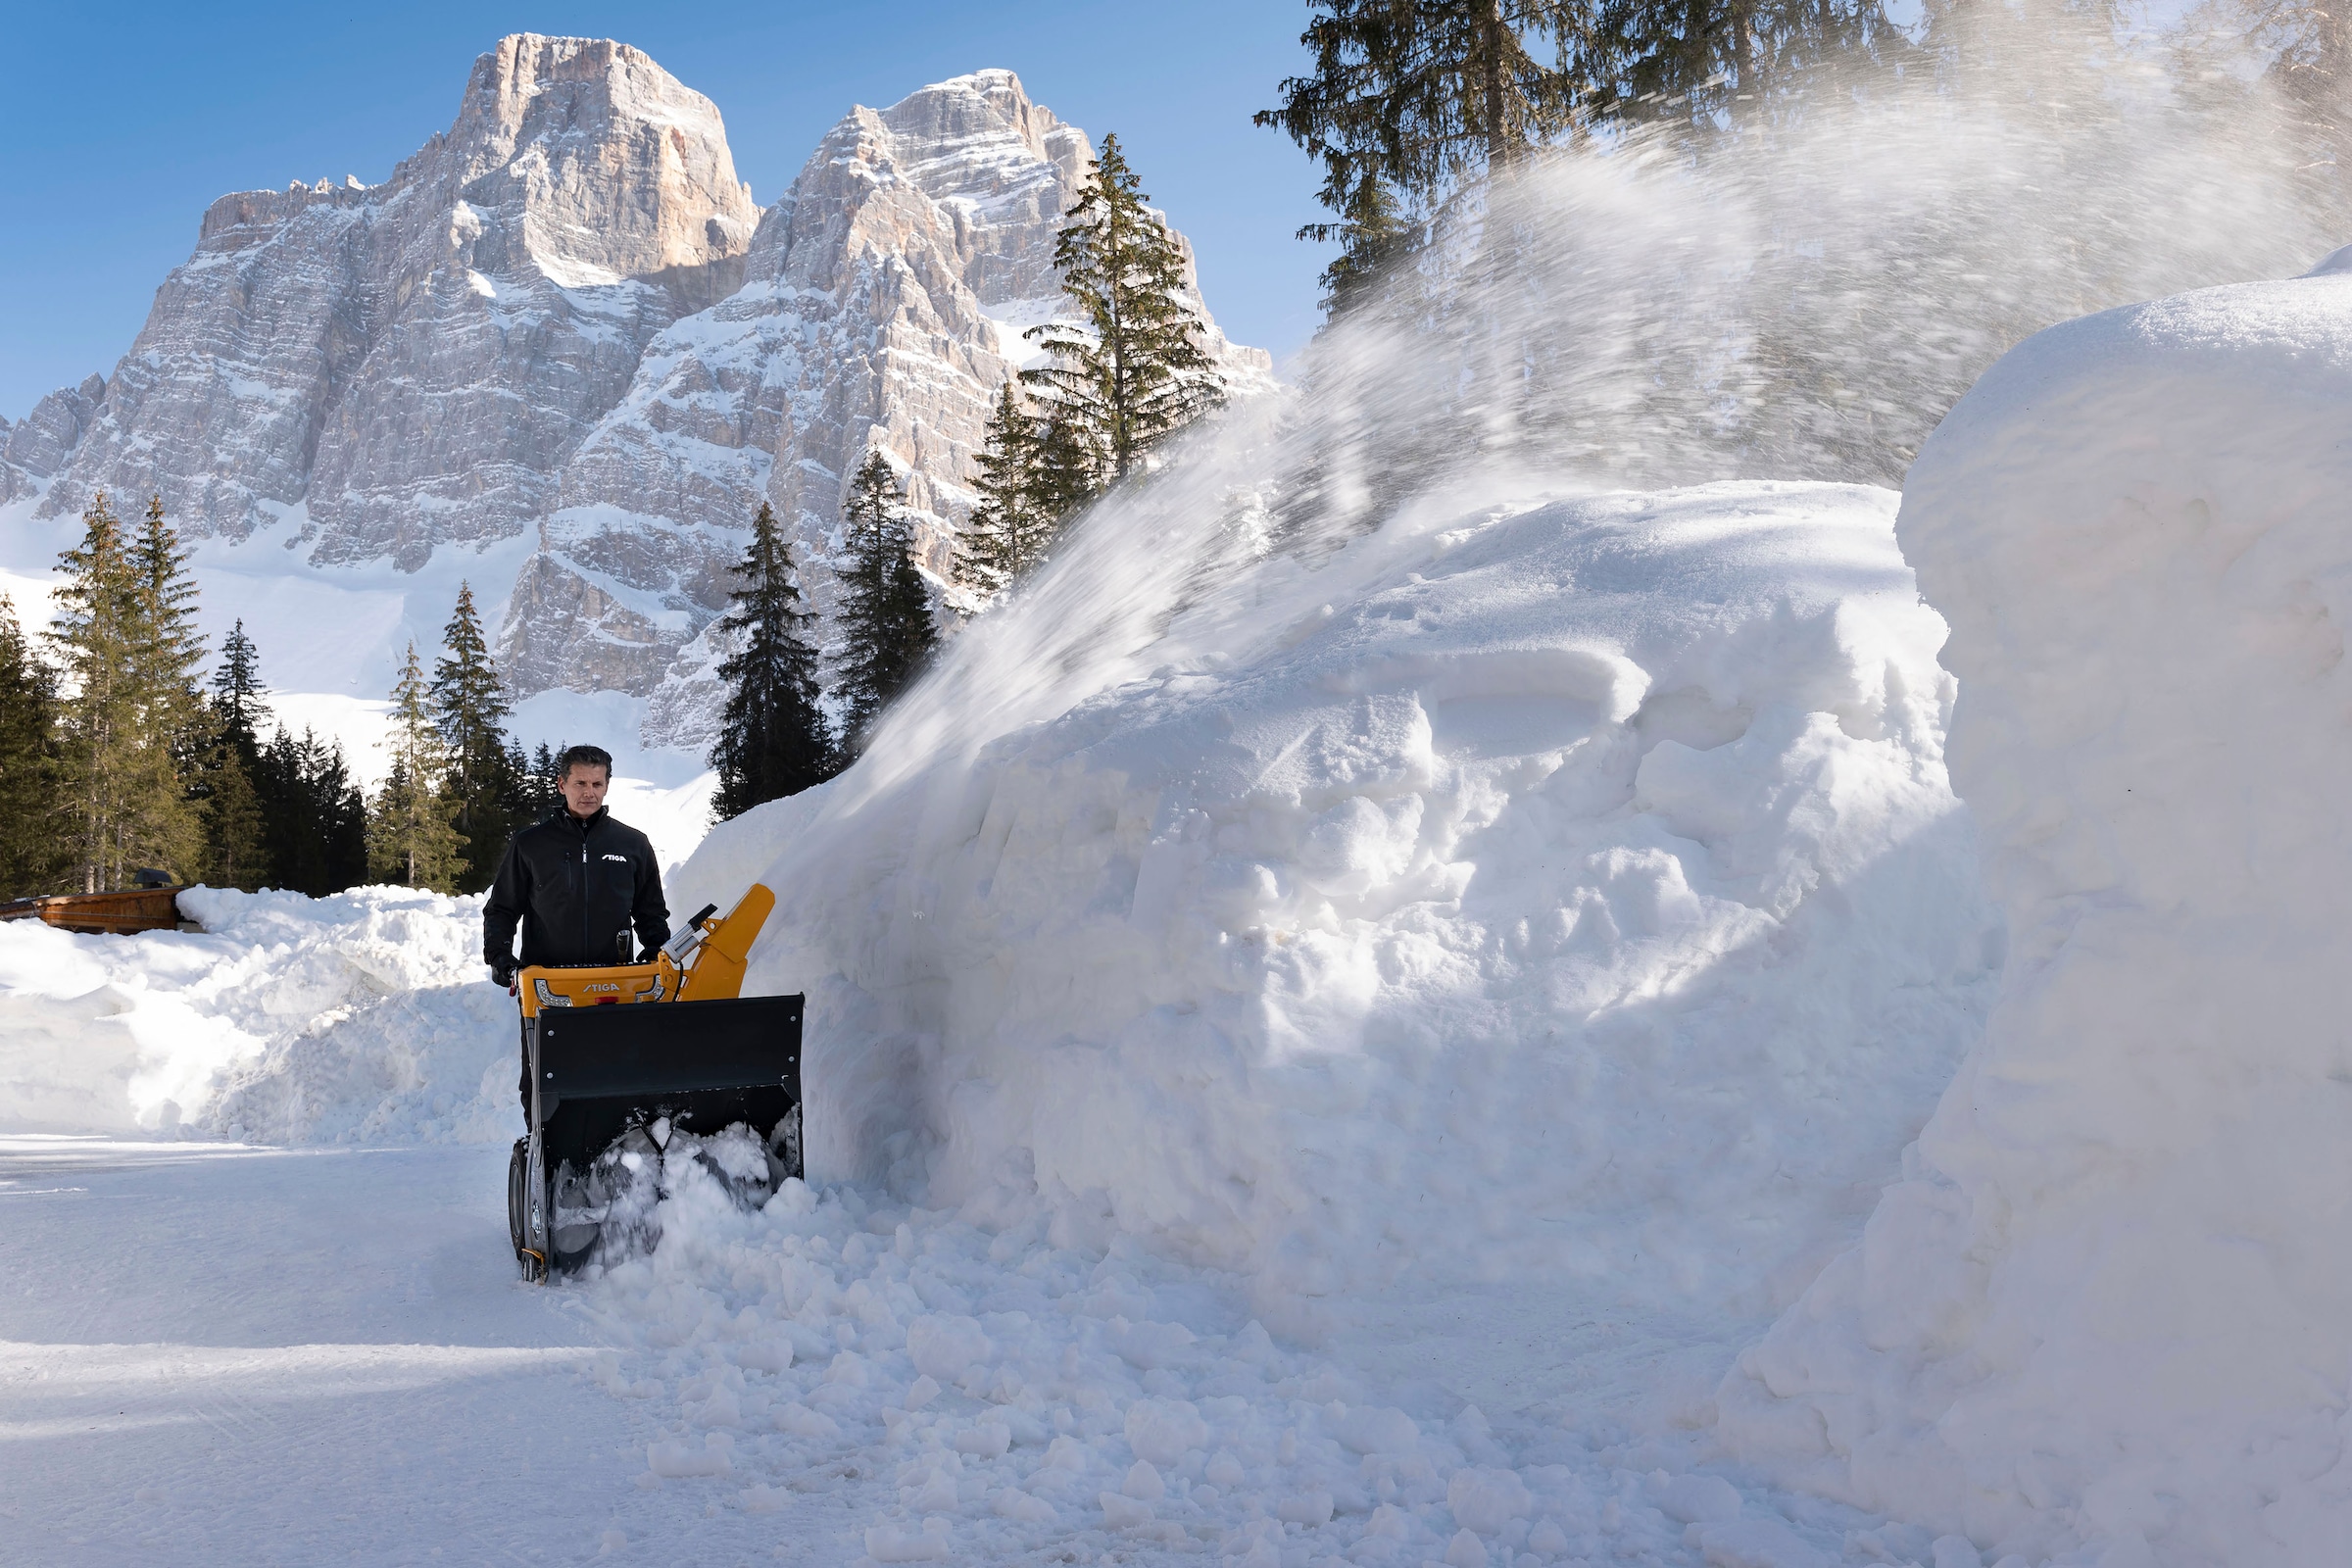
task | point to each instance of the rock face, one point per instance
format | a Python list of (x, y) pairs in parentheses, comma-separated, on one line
[(36, 446), (410, 364), (883, 303), (565, 313)]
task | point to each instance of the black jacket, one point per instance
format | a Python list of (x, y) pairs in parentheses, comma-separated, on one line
[(575, 887)]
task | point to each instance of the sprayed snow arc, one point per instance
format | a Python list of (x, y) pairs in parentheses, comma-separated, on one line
[(2110, 1299)]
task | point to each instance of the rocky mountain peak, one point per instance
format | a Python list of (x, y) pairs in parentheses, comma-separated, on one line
[(563, 328), (393, 367), (548, 123)]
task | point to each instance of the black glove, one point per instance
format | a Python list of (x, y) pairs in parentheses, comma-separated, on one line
[(502, 973)]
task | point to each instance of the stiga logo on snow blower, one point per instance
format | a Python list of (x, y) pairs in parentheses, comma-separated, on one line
[(600, 985)]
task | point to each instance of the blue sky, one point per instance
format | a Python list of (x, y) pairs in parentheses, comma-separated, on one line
[(119, 124)]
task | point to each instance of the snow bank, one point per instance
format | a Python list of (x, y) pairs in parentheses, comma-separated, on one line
[(1560, 887), (357, 1018), (2111, 1301)]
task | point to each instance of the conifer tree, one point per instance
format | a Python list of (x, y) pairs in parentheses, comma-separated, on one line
[(774, 739), (469, 709), (542, 787), (125, 637), (315, 821), (32, 854), (1136, 371), (240, 702), (411, 836), (235, 810), (885, 610), (1425, 96), (1007, 533)]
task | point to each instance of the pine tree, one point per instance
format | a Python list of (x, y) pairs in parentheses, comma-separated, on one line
[(235, 810), (1007, 533), (235, 852), (885, 610), (774, 739), (542, 787), (470, 708), (240, 702), (315, 820), (411, 836), (32, 854), (1424, 98), (167, 650), (1136, 371), (1375, 236), (125, 637)]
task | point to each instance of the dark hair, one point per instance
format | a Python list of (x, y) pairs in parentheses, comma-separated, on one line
[(583, 756)]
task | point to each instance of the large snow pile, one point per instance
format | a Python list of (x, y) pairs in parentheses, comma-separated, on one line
[(1562, 887), (2111, 1301), (358, 1017)]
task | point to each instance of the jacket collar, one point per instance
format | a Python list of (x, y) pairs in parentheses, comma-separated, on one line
[(581, 825)]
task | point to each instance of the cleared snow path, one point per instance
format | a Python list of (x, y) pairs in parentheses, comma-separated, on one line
[(214, 1353)]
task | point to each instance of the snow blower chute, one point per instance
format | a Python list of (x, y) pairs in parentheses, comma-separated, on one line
[(623, 1058)]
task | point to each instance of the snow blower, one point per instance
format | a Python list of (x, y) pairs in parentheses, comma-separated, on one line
[(633, 1062)]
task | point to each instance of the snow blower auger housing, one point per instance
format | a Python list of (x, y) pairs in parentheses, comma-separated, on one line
[(620, 1058)]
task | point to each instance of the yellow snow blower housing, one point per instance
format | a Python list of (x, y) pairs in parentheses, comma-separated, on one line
[(622, 1058), (703, 963)]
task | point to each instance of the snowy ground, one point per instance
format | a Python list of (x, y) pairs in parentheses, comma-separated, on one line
[(224, 1353)]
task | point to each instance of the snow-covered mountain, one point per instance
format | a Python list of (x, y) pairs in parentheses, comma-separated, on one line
[(561, 347)]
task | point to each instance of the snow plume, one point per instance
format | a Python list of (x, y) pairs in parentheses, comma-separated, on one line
[(1803, 295), (2111, 1300)]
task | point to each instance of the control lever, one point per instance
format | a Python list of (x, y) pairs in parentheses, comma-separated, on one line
[(689, 937)]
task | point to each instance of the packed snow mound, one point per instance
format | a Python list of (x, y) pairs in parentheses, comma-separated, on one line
[(360, 1018), (1564, 887), (2111, 1302)]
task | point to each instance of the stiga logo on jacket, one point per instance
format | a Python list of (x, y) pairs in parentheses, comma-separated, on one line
[(623, 859)]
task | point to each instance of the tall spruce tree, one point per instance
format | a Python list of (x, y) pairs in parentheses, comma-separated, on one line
[(774, 739), (411, 832), (125, 639), (469, 709), (543, 785), (1007, 533), (1420, 99), (32, 851), (885, 609), (1136, 371), (235, 810)]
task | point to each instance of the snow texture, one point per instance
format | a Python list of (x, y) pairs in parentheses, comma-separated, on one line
[(2109, 1306), (360, 1018), (1559, 889)]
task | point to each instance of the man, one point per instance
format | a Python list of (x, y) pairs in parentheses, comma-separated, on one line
[(578, 883)]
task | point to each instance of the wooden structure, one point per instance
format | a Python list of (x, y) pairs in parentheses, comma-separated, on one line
[(101, 914)]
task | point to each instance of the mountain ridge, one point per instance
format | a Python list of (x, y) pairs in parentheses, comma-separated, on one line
[(563, 327)]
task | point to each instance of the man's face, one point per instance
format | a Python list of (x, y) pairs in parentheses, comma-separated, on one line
[(584, 788)]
